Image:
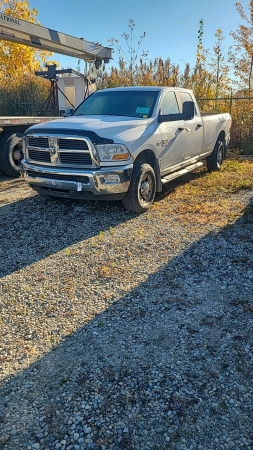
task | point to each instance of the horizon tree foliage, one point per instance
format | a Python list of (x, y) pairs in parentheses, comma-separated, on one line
[(127, 58), (242, 57), (18, 61), (20, 90), (208, 78)]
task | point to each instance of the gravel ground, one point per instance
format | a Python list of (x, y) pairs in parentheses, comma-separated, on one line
[(122, 331)]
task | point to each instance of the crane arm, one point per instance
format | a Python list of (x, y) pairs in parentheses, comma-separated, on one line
[(22, 32)]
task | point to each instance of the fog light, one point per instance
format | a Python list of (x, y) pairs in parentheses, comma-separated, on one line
[(111, 179)]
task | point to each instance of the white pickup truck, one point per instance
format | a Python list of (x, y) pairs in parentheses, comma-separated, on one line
[(124, 143)]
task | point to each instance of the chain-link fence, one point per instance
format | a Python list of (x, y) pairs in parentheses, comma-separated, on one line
[(25, 99), (241, 111)]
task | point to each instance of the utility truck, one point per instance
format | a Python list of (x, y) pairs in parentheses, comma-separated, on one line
[(22, 32)]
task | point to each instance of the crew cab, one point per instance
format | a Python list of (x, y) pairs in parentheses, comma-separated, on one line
[(124, 143)]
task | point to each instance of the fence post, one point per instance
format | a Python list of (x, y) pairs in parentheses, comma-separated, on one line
[(230, 103)]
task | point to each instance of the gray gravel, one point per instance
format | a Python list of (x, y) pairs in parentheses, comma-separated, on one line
[(122, 331)]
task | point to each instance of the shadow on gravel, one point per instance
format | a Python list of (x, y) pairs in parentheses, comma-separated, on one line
[(168, 366), (34, 228)]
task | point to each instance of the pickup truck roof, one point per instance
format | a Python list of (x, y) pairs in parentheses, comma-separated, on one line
[(146, 88)]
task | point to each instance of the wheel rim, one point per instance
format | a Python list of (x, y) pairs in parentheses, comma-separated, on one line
[(146, 190), (220, 155), (17, 155)]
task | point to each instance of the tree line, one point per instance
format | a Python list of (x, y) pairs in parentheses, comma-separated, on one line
[(215, 73)]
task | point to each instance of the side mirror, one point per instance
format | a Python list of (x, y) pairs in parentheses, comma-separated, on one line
[(170, 117), (187, 114), (188, 110)]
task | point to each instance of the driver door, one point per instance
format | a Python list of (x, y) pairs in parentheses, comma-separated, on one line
[(172, 134)]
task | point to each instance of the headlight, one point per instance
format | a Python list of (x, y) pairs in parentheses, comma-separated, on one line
[(112, 152)]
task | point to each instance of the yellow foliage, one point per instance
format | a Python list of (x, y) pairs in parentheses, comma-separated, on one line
[(19, 61)]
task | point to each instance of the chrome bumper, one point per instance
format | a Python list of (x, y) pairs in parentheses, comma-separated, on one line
[(104, 181)]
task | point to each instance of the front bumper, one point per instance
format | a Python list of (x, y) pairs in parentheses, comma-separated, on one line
[(74, 183)]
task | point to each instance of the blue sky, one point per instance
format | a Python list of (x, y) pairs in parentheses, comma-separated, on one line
[(171, 26)]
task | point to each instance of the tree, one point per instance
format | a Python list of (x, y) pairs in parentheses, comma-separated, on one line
[(128, 60), (19, 61), (217, 63), (242, 56), (210, 76)]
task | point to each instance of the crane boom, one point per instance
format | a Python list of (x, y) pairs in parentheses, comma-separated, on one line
[(27, 33)]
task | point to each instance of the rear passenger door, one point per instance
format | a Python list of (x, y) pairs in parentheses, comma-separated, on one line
[(193, 130)]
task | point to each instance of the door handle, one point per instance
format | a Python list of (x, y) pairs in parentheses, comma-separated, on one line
[(184, 129), (199, 125)]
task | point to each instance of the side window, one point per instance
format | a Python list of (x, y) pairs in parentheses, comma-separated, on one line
[(169, 104), (186, 97)]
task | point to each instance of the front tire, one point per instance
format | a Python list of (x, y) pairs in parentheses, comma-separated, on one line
[(141, 193), (11, 154), (215, 160)]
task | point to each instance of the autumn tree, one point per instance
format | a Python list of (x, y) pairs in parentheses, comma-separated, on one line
[(129, 60), (19, 87), (17, 61), (131, 65), (242, 56), (210, 76), (128, 55), (217, 64)]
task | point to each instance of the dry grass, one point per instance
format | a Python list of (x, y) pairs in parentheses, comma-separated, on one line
[(210, 197)]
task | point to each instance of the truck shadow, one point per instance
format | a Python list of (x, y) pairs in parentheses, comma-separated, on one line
[(148, 358), (34, 228)]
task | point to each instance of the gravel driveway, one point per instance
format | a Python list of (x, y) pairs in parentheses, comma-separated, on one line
[(121, 331)]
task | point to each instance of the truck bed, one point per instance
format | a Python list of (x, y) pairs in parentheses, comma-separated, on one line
[(16, 120)]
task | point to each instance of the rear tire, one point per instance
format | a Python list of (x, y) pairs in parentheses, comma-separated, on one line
[(11, 154), (141, 193), (215, 160)]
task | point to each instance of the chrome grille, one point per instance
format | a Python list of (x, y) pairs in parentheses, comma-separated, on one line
[(72, 144), (41, 142), (75, 158), (67, 151), (39, 155)]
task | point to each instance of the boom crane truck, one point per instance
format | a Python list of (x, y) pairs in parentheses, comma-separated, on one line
[(22, 32)]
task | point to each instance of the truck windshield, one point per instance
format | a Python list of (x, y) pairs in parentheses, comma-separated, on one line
[(119, 103)]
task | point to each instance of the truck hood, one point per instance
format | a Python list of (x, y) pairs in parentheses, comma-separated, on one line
[(122, 129)]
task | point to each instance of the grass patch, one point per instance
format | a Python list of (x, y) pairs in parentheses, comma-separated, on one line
[(206, 197)]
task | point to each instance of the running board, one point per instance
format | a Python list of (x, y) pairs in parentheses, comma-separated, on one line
[(174, 175)]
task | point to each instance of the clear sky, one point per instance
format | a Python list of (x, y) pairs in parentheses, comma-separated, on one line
[(171, 26)]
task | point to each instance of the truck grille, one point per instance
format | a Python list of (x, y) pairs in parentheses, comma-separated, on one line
[(75, 158), (72, 144), (71, 152), (39, 155), (41, 142)]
